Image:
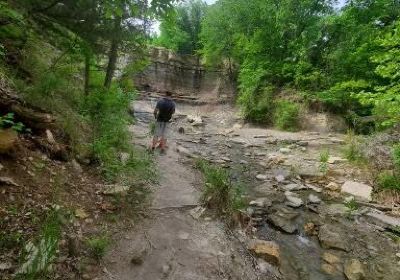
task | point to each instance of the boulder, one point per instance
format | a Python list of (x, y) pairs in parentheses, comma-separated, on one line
[(332, 186), (359, 190), (261, 177), (8, 140), (285, 150), (314, 199), (267, 250), (261, 202), (293, 200), (353, 270), (330, 239), (282, 222), (293, 187)]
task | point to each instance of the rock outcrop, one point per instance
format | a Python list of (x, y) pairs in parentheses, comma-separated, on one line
[(183, 75)]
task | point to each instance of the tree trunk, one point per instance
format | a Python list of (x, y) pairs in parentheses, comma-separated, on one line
[(87, 73), (113, 53)]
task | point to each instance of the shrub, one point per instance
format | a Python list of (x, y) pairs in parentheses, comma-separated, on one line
[(388, 180), (286, 115), (220, 192), (323, 161), (352, 150), (260, 107), (98, 246)]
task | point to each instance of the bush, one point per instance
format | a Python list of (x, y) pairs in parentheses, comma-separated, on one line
[(388, 180), (219, 192), (98, 246), (352, 151), (259, 108), (286, 115)]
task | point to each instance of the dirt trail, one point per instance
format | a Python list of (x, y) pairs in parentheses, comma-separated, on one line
[(171, 244), (289, 204)]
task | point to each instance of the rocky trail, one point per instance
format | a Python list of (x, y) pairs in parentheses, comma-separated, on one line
[(301, 223)]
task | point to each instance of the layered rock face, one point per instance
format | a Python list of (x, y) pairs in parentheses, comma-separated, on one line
[(183, 75)]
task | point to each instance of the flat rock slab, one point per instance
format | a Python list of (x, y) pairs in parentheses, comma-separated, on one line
[(359, 190), (330, 238)]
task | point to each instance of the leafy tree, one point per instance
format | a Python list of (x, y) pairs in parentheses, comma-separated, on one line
[(181, 28)]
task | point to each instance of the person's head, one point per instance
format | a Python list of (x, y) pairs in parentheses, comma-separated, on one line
[(168, 93)]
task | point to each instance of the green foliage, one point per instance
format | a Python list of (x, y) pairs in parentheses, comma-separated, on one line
[(388, 180), (352, 150), (37, 256), (352, 205), (349, 57), (220, 193), (323, 161), (179, 31), (7, 121), (258, 108), (286, 115), (98, 246)]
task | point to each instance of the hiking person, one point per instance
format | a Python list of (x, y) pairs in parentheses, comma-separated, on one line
[(163, 112)]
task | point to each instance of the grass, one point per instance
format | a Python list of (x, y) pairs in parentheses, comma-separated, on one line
[(352, 151), (98, 245), (323, 161), (389, 181), (38, 255), (220, 193)]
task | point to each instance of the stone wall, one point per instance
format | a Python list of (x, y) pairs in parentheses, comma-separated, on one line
[(183, 75)]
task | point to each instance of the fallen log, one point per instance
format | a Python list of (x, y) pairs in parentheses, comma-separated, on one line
[(32, 117)]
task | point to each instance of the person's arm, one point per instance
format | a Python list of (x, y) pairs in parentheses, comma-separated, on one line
[(156, 109)]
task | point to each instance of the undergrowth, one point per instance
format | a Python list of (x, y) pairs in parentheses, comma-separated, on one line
[(220, 193), (98, 245)]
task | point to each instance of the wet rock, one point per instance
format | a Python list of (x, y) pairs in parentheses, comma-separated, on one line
[(261, 177), (307, 171), (267, 250), (381, 219), (334, 210), (359, 190), (293, 187), (330, 239), (261, 202), (283, 222), (314, 188), (330, 258), (332, 186), (314, 199), (293, 200), (353, 270), (8, 181), (310, 229)]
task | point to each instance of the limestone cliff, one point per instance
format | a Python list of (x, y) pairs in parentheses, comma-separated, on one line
[(183, 75)]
